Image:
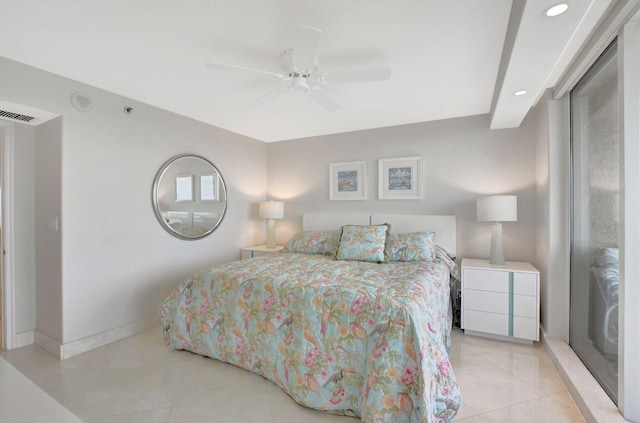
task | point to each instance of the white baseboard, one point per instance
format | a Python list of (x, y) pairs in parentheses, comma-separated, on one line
[(24, 338), (49, 344), (70, 349)]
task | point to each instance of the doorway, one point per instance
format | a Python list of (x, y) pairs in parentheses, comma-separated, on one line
[(7, 329), (1, 246)]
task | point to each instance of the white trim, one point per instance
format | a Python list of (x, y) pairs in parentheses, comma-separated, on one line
[(48, 344), (629, 336), (619, 13), (64, 351), (8, 278), (23, 339)]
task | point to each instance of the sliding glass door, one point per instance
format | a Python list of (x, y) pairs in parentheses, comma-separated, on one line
[(595, 220)]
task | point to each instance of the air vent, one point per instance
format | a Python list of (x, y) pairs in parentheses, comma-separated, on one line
[(24, 114), (16, 116)]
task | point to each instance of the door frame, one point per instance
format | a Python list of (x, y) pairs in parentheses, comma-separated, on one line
[(7, 141)]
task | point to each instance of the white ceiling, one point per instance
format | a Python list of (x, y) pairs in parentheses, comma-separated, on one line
[(448, 58)]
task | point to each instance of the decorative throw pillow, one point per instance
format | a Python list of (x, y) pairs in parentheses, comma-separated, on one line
[(363, 243), (314, 242), (415, 246)]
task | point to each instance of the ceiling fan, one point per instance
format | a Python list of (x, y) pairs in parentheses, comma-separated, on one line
[(300, 71)]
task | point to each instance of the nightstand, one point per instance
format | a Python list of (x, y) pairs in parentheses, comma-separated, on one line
[(258, 250), (501, 301)]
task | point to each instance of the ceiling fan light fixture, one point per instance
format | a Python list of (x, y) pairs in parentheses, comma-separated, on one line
[(299, 82), (300, 69), (555, 10)]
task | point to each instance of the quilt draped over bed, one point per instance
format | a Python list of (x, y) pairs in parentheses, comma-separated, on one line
[(351, 338)]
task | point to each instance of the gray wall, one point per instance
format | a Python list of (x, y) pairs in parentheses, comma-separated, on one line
[(117, 262), (462, 159), (553, 202)]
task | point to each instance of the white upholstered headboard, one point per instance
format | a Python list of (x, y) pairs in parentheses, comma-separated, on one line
[(443, 226)]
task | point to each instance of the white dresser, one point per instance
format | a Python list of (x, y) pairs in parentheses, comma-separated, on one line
[(501, 301), (258, 250)]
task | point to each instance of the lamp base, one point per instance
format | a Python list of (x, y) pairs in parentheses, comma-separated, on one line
[(497, 252), (271, 234)]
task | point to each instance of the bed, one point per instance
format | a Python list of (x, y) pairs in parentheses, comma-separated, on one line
[(337, 332), (190, 224)]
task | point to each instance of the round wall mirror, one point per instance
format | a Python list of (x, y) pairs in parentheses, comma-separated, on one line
[(189, 197)]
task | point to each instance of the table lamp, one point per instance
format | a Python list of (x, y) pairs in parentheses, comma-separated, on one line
[(497, 208), (271, 210)]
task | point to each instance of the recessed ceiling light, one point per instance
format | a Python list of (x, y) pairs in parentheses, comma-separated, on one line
[(520, 92), (556, 10)]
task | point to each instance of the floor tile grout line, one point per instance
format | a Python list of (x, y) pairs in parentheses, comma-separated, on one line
[(528, 401)]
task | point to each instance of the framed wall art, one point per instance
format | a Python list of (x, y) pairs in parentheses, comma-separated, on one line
[(400, 179), (347, 181)]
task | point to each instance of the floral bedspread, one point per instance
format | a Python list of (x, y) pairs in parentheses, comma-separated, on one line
[(189, 231), (351, 338)]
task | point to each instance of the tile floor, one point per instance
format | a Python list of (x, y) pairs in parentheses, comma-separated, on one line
[(141, 380)]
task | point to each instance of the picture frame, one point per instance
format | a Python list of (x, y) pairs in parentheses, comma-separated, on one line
[(400, 178), (209, 187), (347, 181), (184, 188)]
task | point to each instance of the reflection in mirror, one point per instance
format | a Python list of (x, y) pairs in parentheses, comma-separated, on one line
[(189, 196)]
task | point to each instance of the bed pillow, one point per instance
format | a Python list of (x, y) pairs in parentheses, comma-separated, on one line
[(363, 243), (314, 242), (415, 246), (442, 253)]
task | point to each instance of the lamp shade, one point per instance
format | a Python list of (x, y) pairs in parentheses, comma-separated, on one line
[(272, 209), (497, 208)]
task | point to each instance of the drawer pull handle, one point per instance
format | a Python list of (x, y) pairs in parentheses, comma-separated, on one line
[(510, 303)]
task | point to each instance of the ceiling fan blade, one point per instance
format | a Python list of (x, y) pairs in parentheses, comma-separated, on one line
[(269, 96), (321, 97), (227, 67), (305, 46), (357, 75)]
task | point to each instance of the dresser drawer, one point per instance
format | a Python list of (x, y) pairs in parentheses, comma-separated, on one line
[(494, 302), (525, 284), (485, 280), (525, 328), (525, 306), (482, 321)]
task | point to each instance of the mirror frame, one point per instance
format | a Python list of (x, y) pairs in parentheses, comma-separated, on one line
[(156, 205)]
